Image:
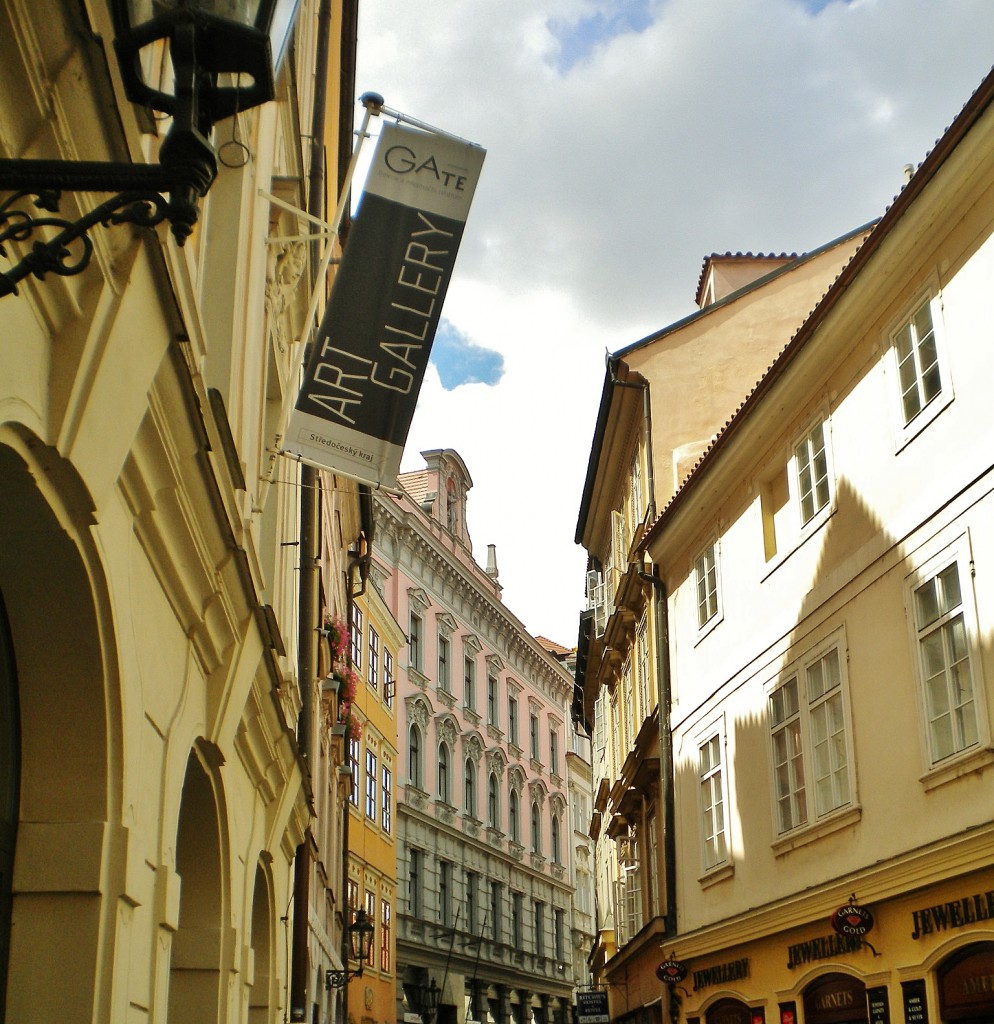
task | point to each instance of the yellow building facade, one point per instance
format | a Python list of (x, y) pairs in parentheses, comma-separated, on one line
[(153, 784)]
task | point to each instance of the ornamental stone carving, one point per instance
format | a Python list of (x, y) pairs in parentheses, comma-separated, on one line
[(448, 731), (418, 711), (473, 747)]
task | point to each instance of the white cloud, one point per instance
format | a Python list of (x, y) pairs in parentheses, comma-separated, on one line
[(731, 125)]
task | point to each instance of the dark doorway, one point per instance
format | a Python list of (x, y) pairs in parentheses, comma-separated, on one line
[(10, 780), (965, 984), (835, 999)]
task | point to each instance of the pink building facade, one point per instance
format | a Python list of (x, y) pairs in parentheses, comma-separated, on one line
[(485, 879)]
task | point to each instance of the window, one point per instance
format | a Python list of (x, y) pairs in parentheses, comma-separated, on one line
[(373, 664), (798, 496), (351, 899), (385, 933), (919, 372), (512, 719), (554, 751), (496, 899), (811, 761), (493, 802), (470, 801), (371, 918), (386, 808), (415, 768), (356, 635), (712, 801), (556, 840), (539, 914), (706, 574), (472, 884), (636, 482), (642, 666), (371, 780), (444, 787), (444, 893), (517, 930), (469, 682), (493, 694), (512, 817), (951, 718), (414, 642), (811, 461), (533, 734), (558, 934), (414, 882), (443, 662), (389, 686), (354, 770), (536, 828)]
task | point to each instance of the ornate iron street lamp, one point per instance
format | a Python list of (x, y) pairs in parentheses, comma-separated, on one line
[(224, 55), (426, 997), (360, 934)]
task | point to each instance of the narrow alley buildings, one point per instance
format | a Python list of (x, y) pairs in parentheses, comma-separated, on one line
[(787, 658)]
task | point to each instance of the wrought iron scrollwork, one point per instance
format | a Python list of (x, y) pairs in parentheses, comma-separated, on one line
[(69, 251)]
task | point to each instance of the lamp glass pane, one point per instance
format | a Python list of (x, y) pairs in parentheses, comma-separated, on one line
[(280, 30), (242, 12)]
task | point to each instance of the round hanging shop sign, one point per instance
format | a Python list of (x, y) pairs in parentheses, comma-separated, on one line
[(671, 971), (852, 919)]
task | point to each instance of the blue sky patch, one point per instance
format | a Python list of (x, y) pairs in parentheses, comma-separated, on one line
[(459, 361), (579, 39)]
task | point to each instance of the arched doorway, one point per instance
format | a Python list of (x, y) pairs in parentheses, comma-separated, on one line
[(10, 778), (57, 921), (835, 999), (728, 1011), (966, 993), (195, 976), (263, 918)]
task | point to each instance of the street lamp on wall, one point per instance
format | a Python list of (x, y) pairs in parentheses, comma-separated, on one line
[(224, 57), (360, 934), (426, 997)]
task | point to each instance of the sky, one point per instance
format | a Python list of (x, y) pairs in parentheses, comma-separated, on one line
[(627, 141)]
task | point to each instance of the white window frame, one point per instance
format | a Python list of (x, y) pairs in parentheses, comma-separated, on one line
[(790, 530), (949, 766), (713, 735), (716, 615), (817, 515), (907, 429), (818, 821)]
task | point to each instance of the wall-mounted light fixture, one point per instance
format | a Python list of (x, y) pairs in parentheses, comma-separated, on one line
[(360, 934), (425, 996), (224, 59)]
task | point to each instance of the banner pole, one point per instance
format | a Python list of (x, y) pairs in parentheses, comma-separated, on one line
[(398, 116), (373, 104)]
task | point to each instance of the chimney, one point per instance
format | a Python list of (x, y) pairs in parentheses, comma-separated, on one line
[(492, 561)]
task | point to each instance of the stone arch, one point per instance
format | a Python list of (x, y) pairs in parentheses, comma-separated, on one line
[(195, 984), (62, 660), (262, 985)]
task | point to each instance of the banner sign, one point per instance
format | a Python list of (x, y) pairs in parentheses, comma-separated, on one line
[(365, 371)]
